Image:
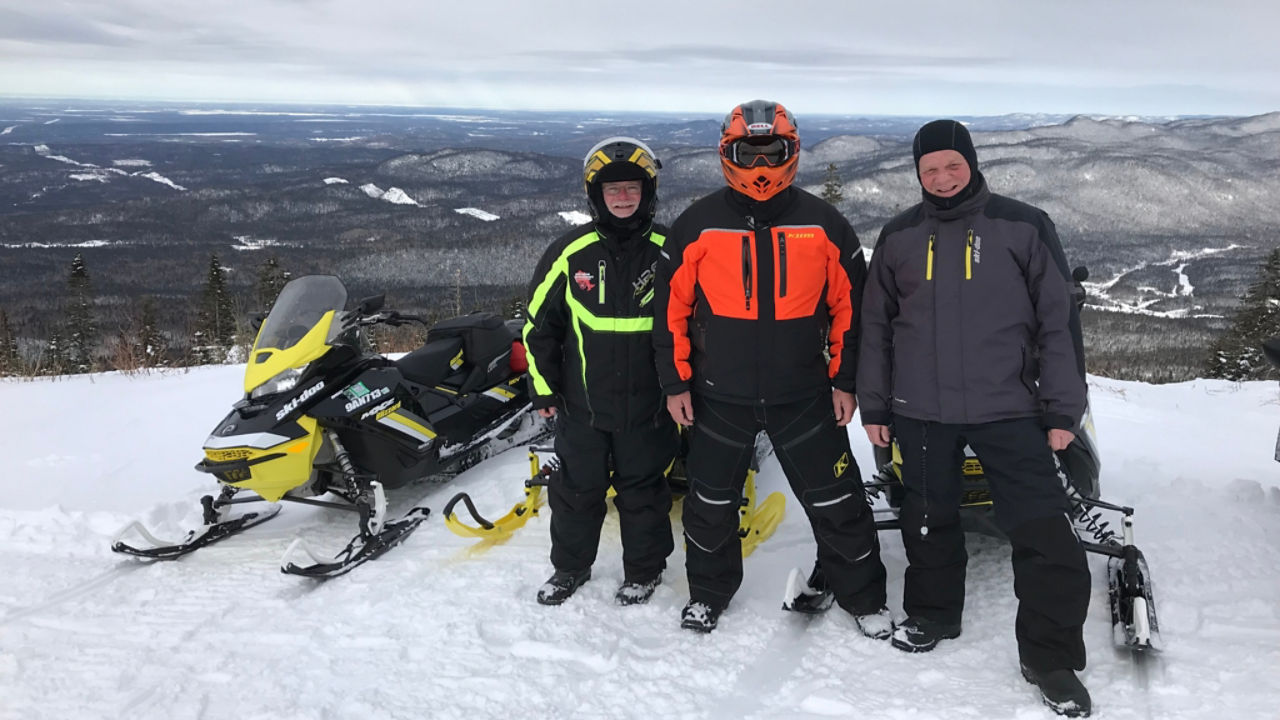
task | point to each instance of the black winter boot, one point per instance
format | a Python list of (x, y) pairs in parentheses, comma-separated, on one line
[(637, 592), (1061, 690), (917, 634), (561, 585), (699, 616)]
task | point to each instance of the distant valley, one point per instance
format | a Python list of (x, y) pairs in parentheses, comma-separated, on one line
[(1172, 216)]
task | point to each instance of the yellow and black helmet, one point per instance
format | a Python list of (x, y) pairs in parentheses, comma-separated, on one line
[(621, 158)]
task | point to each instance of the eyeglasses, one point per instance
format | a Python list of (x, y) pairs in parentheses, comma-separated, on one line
[(770, 150), (614, 189)]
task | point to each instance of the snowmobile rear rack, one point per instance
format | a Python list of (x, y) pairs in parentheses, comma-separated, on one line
[(499, 530), (757, 522)]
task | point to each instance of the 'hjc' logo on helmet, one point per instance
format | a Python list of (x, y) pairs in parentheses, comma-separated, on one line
[(584, 280)]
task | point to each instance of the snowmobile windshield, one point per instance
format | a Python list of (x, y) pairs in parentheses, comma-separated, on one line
[(302, 304)]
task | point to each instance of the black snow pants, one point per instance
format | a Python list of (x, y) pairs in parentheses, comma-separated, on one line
[(1051, 573), (815, 456), (639, 459)]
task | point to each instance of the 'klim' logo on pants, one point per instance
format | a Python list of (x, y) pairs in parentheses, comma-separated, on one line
[(841, 465)]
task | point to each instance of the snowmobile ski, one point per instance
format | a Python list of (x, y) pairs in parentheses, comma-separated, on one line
[(361, 549), (1132, 597), (811, 597), (203, 536)]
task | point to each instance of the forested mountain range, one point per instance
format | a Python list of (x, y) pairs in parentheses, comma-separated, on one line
[(1172, 216)]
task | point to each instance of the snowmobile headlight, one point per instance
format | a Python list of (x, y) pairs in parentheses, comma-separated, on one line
[(278, 384)]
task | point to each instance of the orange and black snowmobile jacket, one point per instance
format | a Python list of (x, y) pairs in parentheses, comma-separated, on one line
[(758, 302), (588, 335)]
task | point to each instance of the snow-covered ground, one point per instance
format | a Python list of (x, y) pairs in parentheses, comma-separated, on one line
[(433, 630)]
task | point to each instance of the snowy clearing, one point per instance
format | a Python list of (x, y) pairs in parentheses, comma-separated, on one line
[(434, 629)]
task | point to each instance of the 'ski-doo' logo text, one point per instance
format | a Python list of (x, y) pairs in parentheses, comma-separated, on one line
[(304, 396), (367, 398)]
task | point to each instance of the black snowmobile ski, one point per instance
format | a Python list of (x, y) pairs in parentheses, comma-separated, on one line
[(809, 597), (202, 536), (361, 549)]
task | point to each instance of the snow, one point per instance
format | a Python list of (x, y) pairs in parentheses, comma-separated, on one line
[(575, 217), (399, 197), (391, 195), (335, 181), (8, 129), (131, 162), (162, 180), (440, 629), (477, 213)]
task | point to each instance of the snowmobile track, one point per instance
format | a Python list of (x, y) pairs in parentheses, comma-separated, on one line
[(98, 581)]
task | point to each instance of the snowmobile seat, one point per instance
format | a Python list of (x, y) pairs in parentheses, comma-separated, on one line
[(430, 364), (486, 348)]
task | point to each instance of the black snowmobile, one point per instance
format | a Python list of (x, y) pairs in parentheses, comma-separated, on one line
[(1133, 614), (325, 421)]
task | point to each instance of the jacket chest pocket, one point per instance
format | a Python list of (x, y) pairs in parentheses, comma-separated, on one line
[(800, 264)]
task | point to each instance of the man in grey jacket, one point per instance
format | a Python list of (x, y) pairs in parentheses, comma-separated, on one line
[(967, 338)]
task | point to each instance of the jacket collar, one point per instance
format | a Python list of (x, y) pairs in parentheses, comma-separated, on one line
[(761, 212)]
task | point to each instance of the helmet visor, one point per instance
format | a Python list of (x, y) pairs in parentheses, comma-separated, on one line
[(767, 150)]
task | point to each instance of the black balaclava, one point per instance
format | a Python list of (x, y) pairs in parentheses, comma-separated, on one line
[(615, 172), (947, 135)]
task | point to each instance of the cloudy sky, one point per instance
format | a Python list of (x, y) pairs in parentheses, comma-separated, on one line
[(978, 57)]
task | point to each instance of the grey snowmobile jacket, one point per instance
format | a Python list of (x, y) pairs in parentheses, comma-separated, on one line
[(966, 318)]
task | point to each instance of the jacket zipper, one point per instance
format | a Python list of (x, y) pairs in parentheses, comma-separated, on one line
[(601, 266), (782, 264), (968, 258), (928, 268), (746, 269)]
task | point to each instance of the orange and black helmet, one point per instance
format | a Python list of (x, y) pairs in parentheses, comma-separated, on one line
[(759, 149)]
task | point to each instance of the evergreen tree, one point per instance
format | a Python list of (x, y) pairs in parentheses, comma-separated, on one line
[(832, 190), (152, 349), (514, 309), (53, 361), (81, 330), (1237, 354), (10, 361), (215, 325), (271, 279)]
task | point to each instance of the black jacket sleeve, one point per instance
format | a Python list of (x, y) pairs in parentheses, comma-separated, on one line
[(853, 264), (545, 328)]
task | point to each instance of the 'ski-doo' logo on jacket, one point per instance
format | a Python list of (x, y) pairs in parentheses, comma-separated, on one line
[(584, 280)]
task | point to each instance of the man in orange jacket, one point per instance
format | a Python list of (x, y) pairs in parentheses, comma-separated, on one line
[(756, 328)]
